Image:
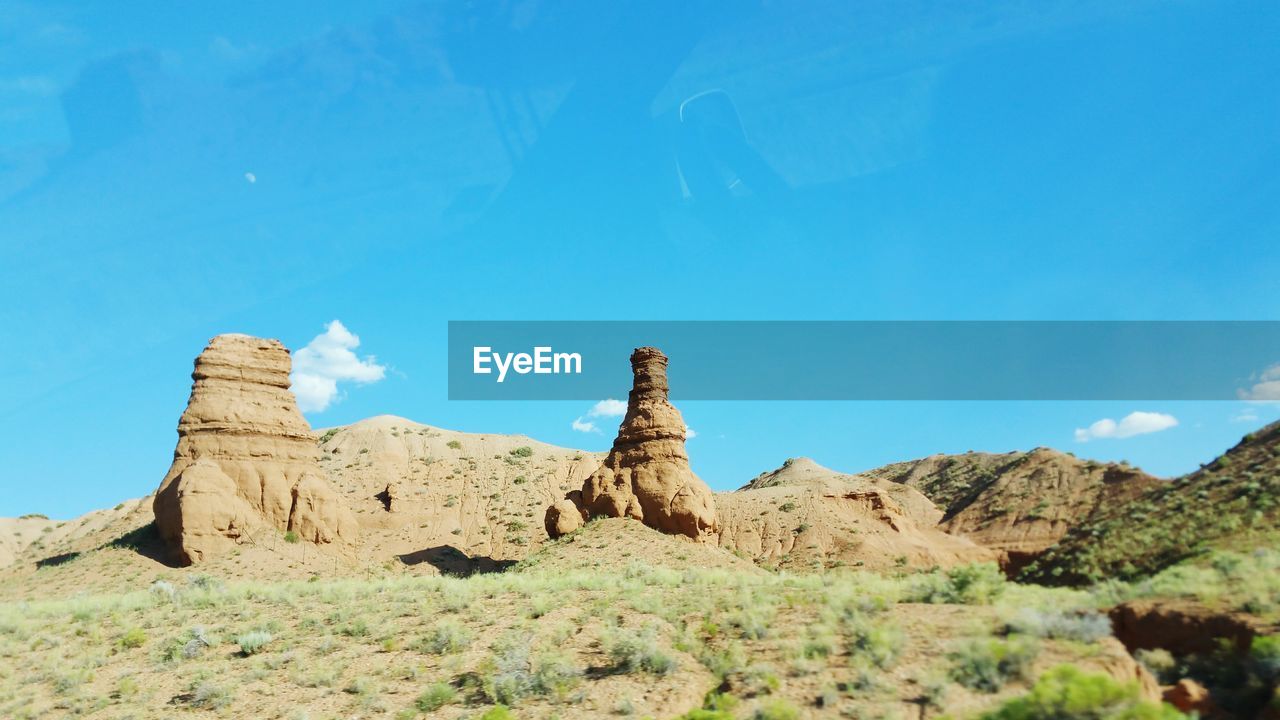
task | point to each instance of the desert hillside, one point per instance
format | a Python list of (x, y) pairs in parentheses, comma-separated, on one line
[(805, 516), (1230, 503), (414, 487), (453, 603), (1019, 503)]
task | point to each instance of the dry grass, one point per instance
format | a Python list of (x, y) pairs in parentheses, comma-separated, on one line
[(635, 640)]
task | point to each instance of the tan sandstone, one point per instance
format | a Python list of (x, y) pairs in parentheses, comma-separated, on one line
[(646, 476), (246, 464)]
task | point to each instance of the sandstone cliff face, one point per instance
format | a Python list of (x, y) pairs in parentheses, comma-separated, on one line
[(803, 515), (246, 464), (646, 476)]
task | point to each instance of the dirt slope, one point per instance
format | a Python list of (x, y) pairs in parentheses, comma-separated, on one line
[(415, 488), (614, 544), (804, 515), (428, 500), (1233, 502), (1018, 503)]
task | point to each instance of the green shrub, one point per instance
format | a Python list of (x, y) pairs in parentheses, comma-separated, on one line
[(252, 643), (133, 638), (291, 537), (777, 709), (986, 665), (880, 643), (1161, 663), (522, 452), (554, 675), (1265, 655), (454, 444), (716, 706), (498, 712), (1067, 693), (436, 696)]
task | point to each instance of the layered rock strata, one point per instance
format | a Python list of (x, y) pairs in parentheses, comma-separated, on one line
[(246, 464), (646, 475)]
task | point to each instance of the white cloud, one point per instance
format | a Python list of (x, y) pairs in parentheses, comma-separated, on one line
[(605, 408), (608, 408), (1135, 423), (1267, 387), (689, 433), (327, 360), (251, 178)]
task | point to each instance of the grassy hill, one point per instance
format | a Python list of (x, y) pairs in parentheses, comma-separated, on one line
[(1231, 503)]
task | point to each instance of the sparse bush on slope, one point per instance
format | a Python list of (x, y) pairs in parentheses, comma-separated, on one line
[(987, 664), (1233, 501)]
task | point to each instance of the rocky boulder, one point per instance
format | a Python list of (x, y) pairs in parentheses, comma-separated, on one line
[(646, 476), (246, 464)]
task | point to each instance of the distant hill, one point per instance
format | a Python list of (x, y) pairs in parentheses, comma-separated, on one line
[(1233, 502), (803, 515), (1019, 503)]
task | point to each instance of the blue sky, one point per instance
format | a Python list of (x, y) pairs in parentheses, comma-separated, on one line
[(173, 170)]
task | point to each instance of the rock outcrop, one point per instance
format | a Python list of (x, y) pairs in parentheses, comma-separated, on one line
[(803, 515), (646, 476), (246, 465)]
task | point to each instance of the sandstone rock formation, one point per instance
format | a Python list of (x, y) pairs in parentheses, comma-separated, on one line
[(646, 475), (803, 515), (246, 465)]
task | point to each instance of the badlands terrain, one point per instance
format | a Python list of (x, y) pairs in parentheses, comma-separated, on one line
[(394, 569)]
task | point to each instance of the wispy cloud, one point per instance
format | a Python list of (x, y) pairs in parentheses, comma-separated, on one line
[(605, 408), (1135, 423), (1266, 388), (1246, 415), (327, 360), (689, 433)]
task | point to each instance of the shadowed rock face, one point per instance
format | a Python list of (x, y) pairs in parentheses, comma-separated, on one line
[(246, 465), (646, 475)]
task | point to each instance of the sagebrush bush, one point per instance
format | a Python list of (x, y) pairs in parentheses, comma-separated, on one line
[(987, 664), (1085, 627), (210, 696), (877, 641), (976, 584), (252, 643), (435, 696), (447, 636), (633, 651), (510, 674)]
